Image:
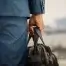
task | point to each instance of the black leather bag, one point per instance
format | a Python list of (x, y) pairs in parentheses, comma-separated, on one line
[(40, 54)]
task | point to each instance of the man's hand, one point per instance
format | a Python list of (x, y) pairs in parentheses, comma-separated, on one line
[(36, 20)]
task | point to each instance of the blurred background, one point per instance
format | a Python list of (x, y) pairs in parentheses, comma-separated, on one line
[(55, 28)]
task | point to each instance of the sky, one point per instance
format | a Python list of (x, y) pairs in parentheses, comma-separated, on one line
[(54, 9)]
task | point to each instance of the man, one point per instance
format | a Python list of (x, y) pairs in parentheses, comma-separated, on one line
[(14, 31)]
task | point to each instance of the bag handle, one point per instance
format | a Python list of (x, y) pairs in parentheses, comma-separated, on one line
[(37, 34)]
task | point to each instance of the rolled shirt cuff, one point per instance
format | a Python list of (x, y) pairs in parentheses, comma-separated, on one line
[(37, 6)]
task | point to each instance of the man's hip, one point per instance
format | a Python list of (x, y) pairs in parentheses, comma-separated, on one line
[(13, 39)]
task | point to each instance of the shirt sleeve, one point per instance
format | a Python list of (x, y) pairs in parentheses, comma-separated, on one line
[(37, 6)]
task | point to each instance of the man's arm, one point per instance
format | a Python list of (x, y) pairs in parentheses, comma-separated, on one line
[(37, 6)]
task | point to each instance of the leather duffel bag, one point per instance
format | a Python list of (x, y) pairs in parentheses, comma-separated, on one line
[(40, 54)]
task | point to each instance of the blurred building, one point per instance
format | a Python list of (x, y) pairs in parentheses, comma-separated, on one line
[(61, 23), (54, 9)]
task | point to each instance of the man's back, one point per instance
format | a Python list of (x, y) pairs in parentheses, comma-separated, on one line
[(14, 8)]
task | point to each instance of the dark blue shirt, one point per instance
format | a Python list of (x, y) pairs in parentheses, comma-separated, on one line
[(22, 8)]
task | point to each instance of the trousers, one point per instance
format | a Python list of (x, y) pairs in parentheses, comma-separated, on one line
[(13, 41)]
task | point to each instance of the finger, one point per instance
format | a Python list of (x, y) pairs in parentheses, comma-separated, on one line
[(40, 26), (31, 31)]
